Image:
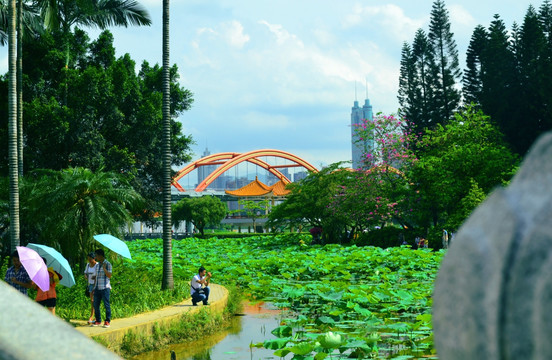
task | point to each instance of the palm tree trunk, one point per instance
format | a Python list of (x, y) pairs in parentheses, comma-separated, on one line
[(12, 128), (20, 87), (168, 282)]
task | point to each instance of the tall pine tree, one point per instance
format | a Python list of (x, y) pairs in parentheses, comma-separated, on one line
[(531, 56), (499, 78), (447, 96), (545, 18), (407, 82), (415, 83), (472, 79)]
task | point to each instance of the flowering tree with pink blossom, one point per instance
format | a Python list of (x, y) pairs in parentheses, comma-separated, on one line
[(392, 142), (378, 192)]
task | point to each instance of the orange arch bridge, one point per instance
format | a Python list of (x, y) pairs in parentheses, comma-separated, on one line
[(228, 160)]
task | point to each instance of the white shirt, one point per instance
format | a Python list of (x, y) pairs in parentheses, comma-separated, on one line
[(195, 284), (90, 271)]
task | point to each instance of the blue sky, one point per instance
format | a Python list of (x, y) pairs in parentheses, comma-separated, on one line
[(281, 74)]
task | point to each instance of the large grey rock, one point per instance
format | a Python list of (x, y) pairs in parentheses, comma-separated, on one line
[(29, 331), (493, 292)]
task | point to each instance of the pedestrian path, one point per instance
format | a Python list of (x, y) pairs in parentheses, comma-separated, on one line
[(144, 323)]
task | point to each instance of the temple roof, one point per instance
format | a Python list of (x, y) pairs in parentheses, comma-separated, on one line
[(257, 188), (279, 189)]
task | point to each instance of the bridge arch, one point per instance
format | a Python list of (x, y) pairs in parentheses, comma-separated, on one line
[(228, 160)]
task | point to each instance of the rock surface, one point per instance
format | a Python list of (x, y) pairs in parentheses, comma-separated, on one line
[(493, 292), (29, 331)]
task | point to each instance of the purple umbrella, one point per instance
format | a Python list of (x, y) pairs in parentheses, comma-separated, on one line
[(35, 266)]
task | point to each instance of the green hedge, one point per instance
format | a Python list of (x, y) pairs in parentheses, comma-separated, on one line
[(391, 236)]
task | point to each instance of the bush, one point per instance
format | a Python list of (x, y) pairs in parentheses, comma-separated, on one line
[(385, 237)]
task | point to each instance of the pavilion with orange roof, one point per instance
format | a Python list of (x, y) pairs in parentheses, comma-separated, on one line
[(257, 189)]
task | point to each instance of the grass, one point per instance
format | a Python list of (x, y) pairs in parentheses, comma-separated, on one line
[(134, 290), (190, 327)]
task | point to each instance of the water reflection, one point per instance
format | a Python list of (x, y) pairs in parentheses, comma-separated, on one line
[(252, 326)]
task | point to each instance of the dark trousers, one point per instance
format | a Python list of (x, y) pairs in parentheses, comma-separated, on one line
[(197, 296), (102, 295)]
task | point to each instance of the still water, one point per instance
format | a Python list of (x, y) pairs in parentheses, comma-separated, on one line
[(252, 326)]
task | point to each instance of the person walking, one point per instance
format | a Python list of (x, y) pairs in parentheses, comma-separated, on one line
[(102, 288), (17, 276), (90, 276), (200, 287)]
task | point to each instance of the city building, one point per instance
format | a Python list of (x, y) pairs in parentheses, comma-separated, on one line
[(360, 147), (300, 175), (204, 171)]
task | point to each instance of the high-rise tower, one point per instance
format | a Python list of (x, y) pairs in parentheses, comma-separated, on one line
[(204, 171), (360, 147)]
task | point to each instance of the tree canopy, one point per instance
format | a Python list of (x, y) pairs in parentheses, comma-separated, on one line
[(465, 158), (200, 211), (111, 118), (64, 209), (508, 74)]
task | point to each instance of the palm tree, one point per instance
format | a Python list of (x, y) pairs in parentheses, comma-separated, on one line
[(72, 205), (27, 25), (12, 129), (20, 88), (63, 14), (167, 282)]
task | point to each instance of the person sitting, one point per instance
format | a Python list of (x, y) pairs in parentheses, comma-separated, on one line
[(200, 287)]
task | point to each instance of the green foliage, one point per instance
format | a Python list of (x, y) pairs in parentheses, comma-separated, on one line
[(378, 195), (97, 113), (370, 298), (189, 327), (135, 289), (508, 74), (472, 80), (200, 211), (475, 196), (415, 82), (66, 208), (446, 96), (374, 300), (253, 209), (385, 237), (452, 158), (429, 69), (308, 204)]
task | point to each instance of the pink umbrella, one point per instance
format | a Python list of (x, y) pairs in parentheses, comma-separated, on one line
[(35, 266)]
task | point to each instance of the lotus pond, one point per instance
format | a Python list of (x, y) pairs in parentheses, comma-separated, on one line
[(343, 301)]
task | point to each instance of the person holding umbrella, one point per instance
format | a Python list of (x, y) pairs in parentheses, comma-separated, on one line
[(90, 276), (102, 289), (17, 276), (48, 298)]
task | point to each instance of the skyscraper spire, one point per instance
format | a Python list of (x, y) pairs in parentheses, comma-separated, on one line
[(359, 146)]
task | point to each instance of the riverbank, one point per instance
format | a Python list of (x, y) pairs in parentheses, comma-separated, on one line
[(232, 341), (147, 331)]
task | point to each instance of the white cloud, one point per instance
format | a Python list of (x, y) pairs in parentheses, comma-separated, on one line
[(259, 121), (4, 62), (205, 30), (460, 16), (390, 19), (282, 35), (324, 37), (233, 33)]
